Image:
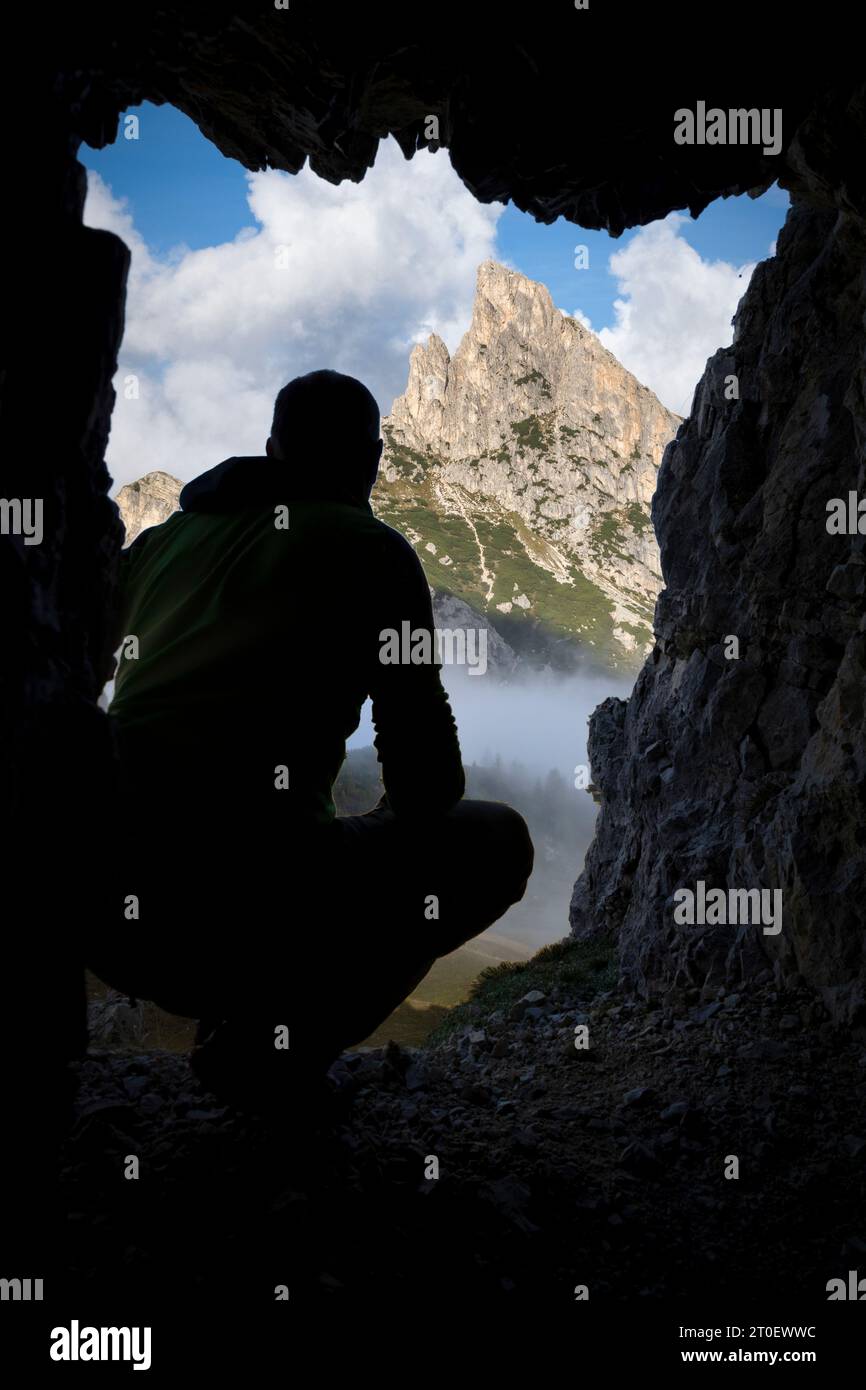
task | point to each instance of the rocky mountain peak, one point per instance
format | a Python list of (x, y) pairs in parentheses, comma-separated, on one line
[(534, 428), (148, 501), (521, 355)]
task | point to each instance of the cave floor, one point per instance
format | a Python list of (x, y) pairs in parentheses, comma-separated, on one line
[(557, 1167)]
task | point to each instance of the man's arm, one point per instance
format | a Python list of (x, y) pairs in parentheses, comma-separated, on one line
[(416, 735)]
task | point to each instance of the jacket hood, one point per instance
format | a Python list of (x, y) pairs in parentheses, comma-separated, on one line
[(260, 481)]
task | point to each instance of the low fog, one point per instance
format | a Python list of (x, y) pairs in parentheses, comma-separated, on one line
[(521, 740), (537, 719)]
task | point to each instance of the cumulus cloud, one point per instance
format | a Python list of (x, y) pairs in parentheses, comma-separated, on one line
[(347, 276), (673, 311)]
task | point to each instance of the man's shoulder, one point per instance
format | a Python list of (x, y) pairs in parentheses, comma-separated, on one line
[(393, 540), (371, 530), (398, 555)]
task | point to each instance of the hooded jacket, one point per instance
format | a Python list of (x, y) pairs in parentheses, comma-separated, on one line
[(258, 611)]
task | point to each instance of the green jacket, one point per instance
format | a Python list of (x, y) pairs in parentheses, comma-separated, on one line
[(256, 645)]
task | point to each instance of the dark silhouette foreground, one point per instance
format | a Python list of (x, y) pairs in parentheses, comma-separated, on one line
[(257, 612)]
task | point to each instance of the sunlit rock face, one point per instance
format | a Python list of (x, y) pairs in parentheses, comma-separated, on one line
[(536, 453), (743, 764), (148, 501)]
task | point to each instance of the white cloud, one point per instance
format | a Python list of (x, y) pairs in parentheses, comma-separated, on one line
[(213, 334), (674, 310)]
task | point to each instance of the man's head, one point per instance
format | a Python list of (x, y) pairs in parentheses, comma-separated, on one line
[(326, 426)]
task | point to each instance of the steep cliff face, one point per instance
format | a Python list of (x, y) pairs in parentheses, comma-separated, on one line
[(524, 466), (749, 770)]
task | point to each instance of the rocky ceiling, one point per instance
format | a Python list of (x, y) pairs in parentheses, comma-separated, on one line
[(566, 113)]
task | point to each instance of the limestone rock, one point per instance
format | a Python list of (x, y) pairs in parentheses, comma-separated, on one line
[(148, 502), (750, 771), (534, 454)]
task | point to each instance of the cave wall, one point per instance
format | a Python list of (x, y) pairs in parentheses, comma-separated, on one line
[(62, 324), (63, 321), (751, 772)]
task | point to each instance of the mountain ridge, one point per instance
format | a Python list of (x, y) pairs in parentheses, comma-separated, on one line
[(531, 444)]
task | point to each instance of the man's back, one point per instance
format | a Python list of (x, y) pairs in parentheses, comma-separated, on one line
[(262, 616), (257, 619)]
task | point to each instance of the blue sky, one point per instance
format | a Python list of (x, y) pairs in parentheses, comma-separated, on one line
[(212, 331), (180, 188), (736, 230), (182, 191)]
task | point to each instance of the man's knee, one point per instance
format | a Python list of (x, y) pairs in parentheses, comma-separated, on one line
[(513, 833), (518, 851), (505, 838)]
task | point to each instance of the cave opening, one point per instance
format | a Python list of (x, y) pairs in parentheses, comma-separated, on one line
[(181, 205), (738, 765)]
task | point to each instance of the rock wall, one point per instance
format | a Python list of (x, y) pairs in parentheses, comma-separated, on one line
[(63, 317), (533, 420), (751, 771)]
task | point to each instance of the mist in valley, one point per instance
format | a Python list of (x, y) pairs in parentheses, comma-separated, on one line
[(522, 739)]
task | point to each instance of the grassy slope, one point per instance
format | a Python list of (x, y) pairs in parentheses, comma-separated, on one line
[(579, 610), (589, 965)]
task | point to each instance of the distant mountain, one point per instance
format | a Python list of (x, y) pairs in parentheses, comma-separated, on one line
[(148, 502), (522, 470)]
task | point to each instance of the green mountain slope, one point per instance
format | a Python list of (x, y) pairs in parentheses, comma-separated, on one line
[(523, 468)]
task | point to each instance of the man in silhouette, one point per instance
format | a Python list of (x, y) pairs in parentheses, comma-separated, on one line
[(251, 626)]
